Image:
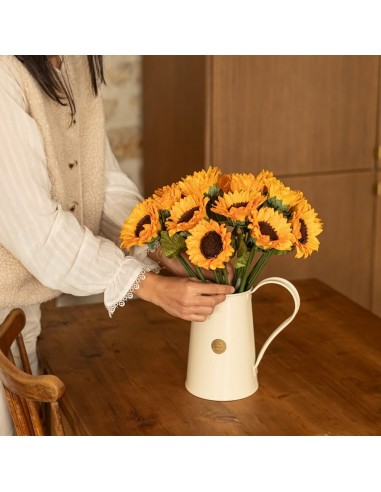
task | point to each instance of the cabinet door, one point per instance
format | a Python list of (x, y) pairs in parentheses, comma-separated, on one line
[(294, 114), (344, 261), (174, 106), (376, 294)]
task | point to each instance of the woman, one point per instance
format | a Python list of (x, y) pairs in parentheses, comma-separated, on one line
[(64, 199)]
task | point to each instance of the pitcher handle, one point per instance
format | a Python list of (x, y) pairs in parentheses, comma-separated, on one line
[(295, 294)]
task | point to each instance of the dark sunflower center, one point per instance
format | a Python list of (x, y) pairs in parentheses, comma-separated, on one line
[(188, 215), (140, 225), (237, 205), (303, 232), (211, 245), (267, 230)]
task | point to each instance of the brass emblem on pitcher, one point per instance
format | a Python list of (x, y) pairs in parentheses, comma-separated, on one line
[(218, 346)]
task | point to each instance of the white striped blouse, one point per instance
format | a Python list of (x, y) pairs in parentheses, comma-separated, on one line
[(48, 241)]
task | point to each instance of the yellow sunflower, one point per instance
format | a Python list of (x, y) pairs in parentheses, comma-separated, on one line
[(305, 226), (186, 213), (276, 190), (270, 229), (166, 196), (237, 205), (200, 182), (209, 246), (244, 182), (262, 178), (141, 226)]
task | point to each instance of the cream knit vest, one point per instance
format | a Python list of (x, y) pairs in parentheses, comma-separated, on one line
[(75, 156)]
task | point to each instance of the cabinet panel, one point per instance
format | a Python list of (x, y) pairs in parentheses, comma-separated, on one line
[(174, 108), (294, 114), (376, 297), (344, 260)]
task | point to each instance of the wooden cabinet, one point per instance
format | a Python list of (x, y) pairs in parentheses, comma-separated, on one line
[(344, 259), (376, 272), (312, 120), (294, 114), (174, 104)]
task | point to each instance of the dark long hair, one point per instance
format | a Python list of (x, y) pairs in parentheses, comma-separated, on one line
[(42, 70)]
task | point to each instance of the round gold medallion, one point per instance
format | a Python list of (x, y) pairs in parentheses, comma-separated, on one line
[(218, 346)]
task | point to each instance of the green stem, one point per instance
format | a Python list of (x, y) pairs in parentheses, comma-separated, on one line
[(240, 272), (226, 278), (237, 273), (200, 274), (246, 271), (258, 268), (186, 266), (216, 276)]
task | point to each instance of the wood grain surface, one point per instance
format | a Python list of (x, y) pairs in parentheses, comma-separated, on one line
[(294, 114), (174, 108), (125, 375), (376, 280)]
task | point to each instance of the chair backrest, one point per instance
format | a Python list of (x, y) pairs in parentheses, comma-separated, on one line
[(26, 393)]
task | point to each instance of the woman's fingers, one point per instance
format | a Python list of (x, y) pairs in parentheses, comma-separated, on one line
[(186, 298), (209, 288), (205, 300), (201, 299), (201, 310)]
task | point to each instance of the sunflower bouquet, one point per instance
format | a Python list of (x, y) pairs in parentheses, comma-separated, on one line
[(209, 219)]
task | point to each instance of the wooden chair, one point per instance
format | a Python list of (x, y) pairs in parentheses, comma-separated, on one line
[(26, 393)]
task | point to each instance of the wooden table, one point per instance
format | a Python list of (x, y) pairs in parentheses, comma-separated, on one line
[(125, 375)]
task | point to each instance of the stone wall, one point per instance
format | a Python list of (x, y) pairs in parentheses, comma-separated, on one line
[(122, 104)]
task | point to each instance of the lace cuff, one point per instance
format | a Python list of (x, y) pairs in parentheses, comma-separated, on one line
[(130, 294), (141, 252)]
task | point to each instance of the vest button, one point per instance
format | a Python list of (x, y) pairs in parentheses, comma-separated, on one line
[(72, 208), (73, 163)]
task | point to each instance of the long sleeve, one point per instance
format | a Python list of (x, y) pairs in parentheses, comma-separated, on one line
[(48, 241), (121, 196)]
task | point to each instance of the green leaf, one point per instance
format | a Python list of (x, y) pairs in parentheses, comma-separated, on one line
[(242, 258), (236, 223), (234, 242), (171, 246), (278, 252), (277, 204), (213, 191)]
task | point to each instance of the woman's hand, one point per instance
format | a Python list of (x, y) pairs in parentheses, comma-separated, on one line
[(185, 298)]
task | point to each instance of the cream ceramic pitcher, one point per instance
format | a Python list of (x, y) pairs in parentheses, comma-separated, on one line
[(221, 360)]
